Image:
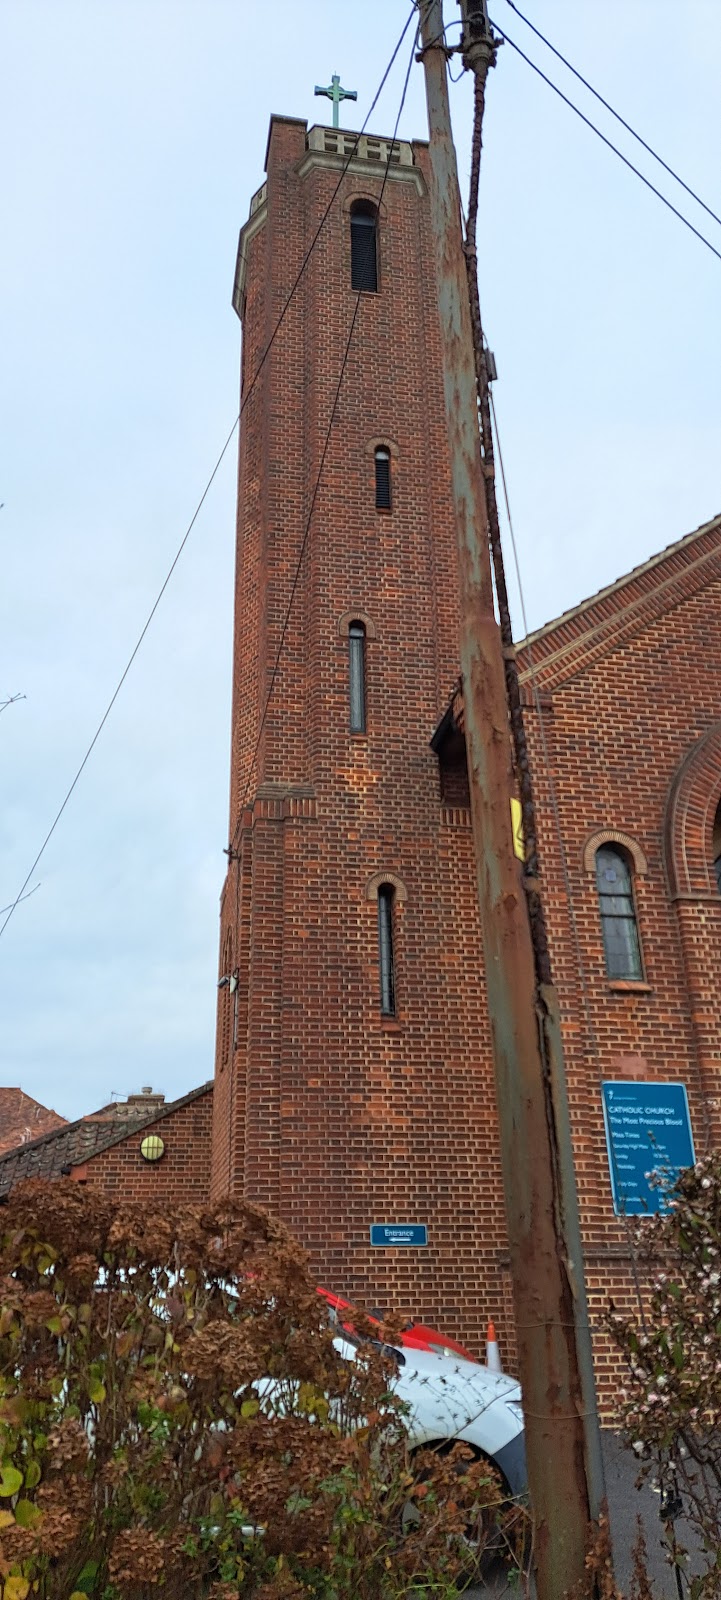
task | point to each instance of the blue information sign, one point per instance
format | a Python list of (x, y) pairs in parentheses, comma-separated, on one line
[(398, 1235), (648, 1130)]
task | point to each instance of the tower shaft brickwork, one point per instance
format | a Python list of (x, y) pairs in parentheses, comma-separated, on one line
[(332, 1109)]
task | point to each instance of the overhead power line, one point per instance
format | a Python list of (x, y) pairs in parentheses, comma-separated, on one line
[(609, 142), (624, 124), (21, 892), (22, 897)]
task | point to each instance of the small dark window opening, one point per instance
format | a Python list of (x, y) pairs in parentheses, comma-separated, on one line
[(383, 480), (453, 768), (357, 676), (386, 896), (364, 247), (618, 914)]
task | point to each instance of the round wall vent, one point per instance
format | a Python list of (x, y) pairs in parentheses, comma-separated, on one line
[(152, 1147)]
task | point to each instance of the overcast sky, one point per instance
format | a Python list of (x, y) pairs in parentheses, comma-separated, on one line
[(133, 134)]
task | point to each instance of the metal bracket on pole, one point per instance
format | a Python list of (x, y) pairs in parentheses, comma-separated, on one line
[(479, 44)]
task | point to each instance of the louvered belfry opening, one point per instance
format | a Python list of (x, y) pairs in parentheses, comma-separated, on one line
[(364, 246), (383, 479)]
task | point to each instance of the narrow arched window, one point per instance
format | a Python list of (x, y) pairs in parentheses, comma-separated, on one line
[(357, 676), (717, 846), (383, 479), (386, 897), (364, 246), (618, 913), (226, 1003)]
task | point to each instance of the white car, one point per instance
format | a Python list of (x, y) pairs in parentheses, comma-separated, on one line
[(453, 1400)]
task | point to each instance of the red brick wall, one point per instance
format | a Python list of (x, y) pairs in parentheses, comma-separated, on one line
[(181, 1176), (330, 1114), (326, 1112), (624, 709)]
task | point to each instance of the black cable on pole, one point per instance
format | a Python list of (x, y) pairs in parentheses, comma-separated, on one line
[(563, 856), (614, 113), (21, 893), (609, 142)]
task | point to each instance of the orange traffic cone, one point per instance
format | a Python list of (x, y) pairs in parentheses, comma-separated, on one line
[(493, 1354)]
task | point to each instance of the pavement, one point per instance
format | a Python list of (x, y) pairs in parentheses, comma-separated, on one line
[(625, 1503)]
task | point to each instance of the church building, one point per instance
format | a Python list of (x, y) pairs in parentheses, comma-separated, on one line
[(354, 1091), (354, 1088)]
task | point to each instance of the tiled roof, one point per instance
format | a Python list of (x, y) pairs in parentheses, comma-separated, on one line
[(23, 1119), (71, 1145)]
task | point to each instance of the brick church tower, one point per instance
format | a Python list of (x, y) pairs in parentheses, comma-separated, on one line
[(353, 1072)]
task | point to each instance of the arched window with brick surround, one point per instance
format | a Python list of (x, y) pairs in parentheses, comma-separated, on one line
[(614, 884), (383, 478), (357, 676), (717, 846), (364, 246), (692, 825), (386, 953), (389, 892), (356, 628)]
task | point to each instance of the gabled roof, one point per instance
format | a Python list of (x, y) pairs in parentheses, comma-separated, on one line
[(569, 644), (23, 1119), (57, 1152)]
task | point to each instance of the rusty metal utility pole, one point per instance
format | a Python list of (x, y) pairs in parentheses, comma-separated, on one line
[(564, 1459)]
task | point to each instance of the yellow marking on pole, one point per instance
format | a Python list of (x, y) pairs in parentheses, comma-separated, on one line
[(519, 843)]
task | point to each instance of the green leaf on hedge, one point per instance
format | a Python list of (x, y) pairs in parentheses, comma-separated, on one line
[(27, 1515), (32, 1474), (10, 1480), (85, 1581)]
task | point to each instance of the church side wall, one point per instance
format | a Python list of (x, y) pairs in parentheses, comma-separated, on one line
[(617, 731)]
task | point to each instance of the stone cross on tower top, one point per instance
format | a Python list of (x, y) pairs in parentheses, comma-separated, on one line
[(336, 94)]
